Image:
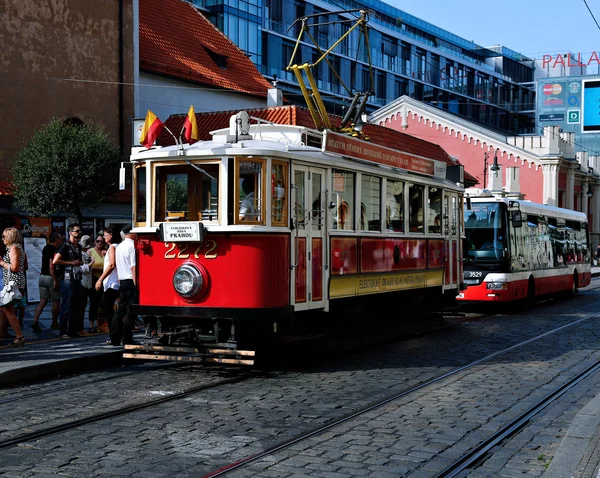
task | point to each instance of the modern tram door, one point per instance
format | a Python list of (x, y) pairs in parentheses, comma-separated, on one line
[(308, 238), (452, 233)]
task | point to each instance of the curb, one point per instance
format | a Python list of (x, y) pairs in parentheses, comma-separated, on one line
[(52, 369)]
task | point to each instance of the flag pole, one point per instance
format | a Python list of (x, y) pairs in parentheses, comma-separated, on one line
[(178, 143)]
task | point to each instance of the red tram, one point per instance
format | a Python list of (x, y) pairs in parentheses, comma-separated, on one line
[(268, 225)]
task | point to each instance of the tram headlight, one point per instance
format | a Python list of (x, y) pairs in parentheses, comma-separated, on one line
[(188, 281), (496, 285)]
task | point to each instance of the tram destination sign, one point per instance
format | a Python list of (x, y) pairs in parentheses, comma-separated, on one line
[(359, 149), (182, 232)]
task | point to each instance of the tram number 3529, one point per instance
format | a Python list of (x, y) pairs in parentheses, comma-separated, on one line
[(187, 248), (475, 274)]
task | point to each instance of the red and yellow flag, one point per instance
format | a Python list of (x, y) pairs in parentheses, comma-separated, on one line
[(191, 127), (152, 128)]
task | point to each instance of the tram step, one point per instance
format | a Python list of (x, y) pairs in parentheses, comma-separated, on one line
[(189, 354)]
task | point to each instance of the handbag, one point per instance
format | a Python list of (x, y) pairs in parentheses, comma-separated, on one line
[(10, 291)]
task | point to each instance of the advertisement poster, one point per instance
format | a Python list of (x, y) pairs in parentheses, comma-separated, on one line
[(33, 249)]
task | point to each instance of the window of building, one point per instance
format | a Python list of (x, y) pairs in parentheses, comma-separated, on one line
[(220, 60), (343, 193), (370, 203), (249, 191), (394, 206)]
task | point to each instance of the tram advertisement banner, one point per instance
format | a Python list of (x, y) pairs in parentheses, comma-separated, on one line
[(356, 148)]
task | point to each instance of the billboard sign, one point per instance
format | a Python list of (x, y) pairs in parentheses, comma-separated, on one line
[(591, 106)]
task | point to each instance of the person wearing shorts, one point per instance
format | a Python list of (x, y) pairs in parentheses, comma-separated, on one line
[(48, 284)]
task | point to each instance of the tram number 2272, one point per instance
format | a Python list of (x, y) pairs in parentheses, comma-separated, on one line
[(208, 248)]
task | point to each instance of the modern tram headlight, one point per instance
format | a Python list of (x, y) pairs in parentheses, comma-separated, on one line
[(497, 285), (188, 281)]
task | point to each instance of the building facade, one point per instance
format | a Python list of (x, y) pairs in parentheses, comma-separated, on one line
[(70, 60), (550, 170), (409, 56)]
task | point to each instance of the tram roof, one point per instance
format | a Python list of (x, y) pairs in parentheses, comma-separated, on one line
[(300, 117), (530, 207), (277, 140)]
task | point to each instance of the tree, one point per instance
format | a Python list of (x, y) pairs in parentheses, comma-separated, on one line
[(64, 168)]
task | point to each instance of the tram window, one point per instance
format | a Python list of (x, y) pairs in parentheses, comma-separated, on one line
[(249, 192), (187, 193), (370, 203), (139, 181), (434, 211), (415, 207), (279, 193), (394, 208), (343, 193)]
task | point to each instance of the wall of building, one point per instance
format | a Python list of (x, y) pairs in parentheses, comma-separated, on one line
[(167, 96), (61, 60), (471, 154)]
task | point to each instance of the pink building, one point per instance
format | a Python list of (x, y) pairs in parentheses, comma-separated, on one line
[(547, 168)]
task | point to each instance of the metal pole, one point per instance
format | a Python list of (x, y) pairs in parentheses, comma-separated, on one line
[(485, 158)]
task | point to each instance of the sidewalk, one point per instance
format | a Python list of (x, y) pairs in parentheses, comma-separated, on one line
[(46, 355)]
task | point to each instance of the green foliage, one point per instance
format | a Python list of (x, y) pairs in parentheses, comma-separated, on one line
[(177, 194), (64, 168)]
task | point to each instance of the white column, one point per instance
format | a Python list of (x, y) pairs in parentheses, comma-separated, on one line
[(570, 192), (596, 209), (550, 191)]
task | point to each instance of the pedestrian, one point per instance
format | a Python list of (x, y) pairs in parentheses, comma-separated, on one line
[(109, 281), (13, 266), (49, 285), (121, 328), (97, 253), (68, 258), (87, 285), (23, 302)]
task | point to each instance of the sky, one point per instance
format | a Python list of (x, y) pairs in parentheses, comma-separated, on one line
[(529, 27)]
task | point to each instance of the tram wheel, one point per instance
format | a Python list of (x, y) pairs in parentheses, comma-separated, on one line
[(575, 286)]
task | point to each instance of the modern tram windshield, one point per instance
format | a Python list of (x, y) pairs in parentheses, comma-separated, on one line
[(485, 226)]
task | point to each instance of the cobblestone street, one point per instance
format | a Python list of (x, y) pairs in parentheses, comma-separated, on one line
[(416, 435)]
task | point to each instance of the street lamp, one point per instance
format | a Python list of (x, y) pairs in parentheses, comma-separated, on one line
[(494, 167)]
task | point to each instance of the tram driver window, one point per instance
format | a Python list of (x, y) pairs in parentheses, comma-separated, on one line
[(343, 194), (394, 207), (249, 192), (415, 207), (187, 193)]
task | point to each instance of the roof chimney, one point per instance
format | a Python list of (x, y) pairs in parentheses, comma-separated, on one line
[(513, 186), (274, 95)]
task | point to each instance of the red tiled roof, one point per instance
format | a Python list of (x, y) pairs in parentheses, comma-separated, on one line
[(294, 115), (176, 40), (6, 188)]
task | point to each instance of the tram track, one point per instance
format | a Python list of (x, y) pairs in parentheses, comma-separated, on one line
[(466, 459), (70, 386), (175, 395)]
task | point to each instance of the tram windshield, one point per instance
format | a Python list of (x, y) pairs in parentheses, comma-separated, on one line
[(485, 231), (187, 192)]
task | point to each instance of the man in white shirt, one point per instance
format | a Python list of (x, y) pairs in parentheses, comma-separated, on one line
[(247, 211), (123, 319)]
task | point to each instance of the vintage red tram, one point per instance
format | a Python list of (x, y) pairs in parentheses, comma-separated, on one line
[(267, 225)]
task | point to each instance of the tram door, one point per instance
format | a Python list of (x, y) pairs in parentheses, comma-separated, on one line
[(308, 238), (452, 212)]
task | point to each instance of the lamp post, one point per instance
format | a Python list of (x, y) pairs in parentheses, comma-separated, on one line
[(494, 167)]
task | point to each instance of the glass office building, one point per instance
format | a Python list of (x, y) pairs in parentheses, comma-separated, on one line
[(492, 86)]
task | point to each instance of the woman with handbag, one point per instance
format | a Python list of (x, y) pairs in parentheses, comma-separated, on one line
[(13, 270)]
